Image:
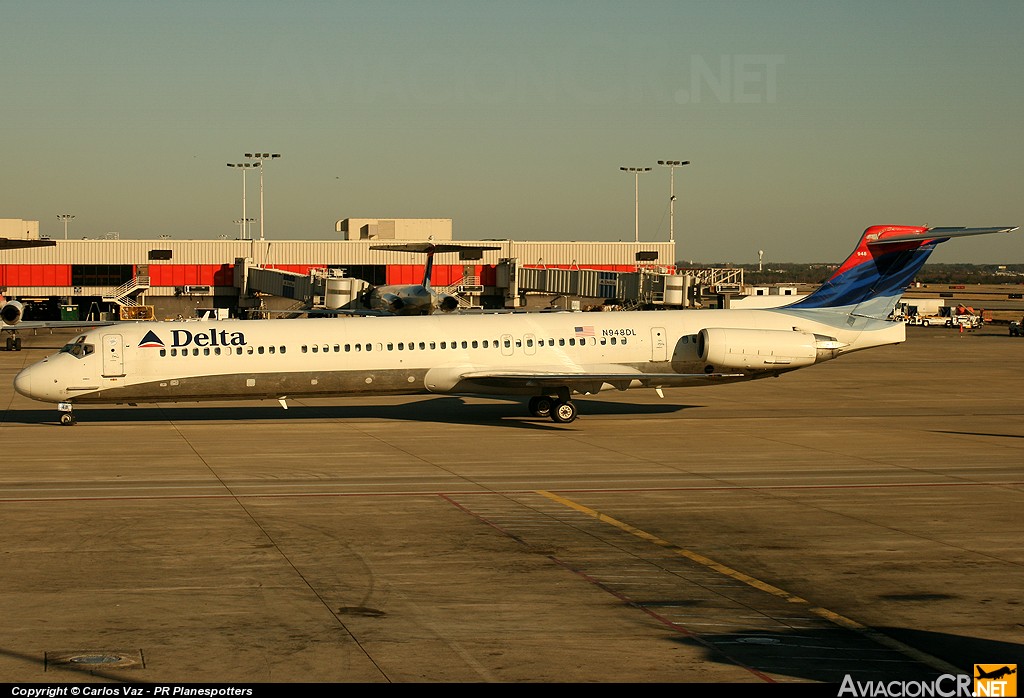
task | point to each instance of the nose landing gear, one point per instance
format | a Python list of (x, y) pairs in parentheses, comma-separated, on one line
[(67, 417)]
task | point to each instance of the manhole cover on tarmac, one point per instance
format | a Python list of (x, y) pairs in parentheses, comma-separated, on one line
[(90, 660)]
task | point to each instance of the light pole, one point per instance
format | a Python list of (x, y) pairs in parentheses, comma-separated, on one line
[(672, 165), (261, 158), (243, 166), (636, 196), (65, 217)]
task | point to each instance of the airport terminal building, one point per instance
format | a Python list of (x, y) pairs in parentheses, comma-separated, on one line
[(113, 277)]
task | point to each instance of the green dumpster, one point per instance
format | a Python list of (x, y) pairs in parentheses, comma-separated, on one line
[(69, 312)]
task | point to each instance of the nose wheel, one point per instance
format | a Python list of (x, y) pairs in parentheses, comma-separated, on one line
[(67, 417)]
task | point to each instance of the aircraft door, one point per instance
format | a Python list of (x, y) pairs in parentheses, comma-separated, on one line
[(659, 344), (530, 344), (113, 355), (506, 345)]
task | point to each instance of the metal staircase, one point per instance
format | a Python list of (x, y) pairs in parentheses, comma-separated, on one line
[(126, 295), (464, 290)]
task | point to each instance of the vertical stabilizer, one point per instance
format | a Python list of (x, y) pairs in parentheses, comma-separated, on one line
[(871, 281)]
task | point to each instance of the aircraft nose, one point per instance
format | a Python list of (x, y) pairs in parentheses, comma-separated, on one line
[(23, 382)]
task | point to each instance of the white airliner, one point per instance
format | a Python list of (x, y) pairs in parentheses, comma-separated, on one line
[(545, 357)]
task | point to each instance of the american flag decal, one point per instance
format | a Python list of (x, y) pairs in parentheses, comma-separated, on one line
[(585, 331)]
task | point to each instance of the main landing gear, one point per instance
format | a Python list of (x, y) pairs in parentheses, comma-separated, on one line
[(561, 409), (67, 417), (13, 343)]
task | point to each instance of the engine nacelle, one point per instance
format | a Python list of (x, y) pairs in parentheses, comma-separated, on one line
[(391, 302), (734, 348), (447, 304), (11, 312)]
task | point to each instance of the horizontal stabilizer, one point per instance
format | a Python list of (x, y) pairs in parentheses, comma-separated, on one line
[(427, 247), (938, 234)]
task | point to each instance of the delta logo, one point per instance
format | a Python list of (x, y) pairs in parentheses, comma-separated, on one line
[(995, 680), (151, 341), (187, 338)]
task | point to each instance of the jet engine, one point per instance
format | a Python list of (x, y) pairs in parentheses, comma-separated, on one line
[(391, 301), (447, 304), (734, 348), (11, 312)]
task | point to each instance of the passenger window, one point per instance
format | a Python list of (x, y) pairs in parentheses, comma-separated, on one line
[(474, 344), (260, 350), (163, 352)]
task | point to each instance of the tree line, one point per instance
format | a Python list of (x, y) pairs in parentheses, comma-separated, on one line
[(930, 274)]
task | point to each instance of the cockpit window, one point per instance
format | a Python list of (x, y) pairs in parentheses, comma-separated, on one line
[(78, 348)]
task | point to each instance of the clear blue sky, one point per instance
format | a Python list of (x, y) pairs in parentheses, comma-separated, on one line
[(805, 122)]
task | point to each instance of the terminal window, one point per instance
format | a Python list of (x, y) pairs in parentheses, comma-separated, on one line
[(101, 274)]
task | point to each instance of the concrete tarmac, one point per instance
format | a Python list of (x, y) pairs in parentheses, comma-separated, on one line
[(860, 517)]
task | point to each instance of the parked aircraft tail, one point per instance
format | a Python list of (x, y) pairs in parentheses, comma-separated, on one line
[(873, 278)]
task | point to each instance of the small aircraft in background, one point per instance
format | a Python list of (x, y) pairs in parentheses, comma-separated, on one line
[(11, 313), (412, 299)]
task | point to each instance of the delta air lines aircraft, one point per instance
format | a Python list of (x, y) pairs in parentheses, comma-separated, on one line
[(545, 357)]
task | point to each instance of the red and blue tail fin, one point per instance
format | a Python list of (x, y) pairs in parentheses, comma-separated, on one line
[(872, 279)]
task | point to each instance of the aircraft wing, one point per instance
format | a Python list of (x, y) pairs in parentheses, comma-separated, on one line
[(591, 382), (54, 324)]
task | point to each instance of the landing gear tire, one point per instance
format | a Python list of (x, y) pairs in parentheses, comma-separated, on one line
[(564, 412), (540, 406), (17, 344), (10, 344), (67, 419)]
